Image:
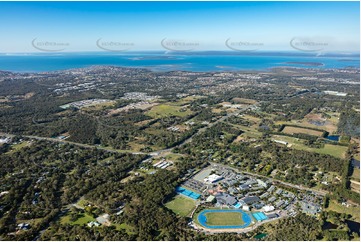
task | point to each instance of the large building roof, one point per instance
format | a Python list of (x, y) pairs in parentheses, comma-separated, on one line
[(226, 199), (250, 200)]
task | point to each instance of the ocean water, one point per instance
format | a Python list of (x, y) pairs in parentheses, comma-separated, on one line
[(169, 62)]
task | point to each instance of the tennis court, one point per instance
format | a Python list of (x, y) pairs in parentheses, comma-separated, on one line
[(187, 193), (259, 216)]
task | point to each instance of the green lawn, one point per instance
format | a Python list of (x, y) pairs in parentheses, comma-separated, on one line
[(82, 202), (249, 132), (164, 110), (227, 218), (128, 229), (357, 156), (353, 211), (181, 205), (334, 150), (82, 219), (17, 147), (356, 174)]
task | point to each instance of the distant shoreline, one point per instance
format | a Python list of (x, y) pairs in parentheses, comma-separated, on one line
[(305, 63)]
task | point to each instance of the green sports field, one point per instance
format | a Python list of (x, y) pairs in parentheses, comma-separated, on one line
[(181, 205), (224, 218)]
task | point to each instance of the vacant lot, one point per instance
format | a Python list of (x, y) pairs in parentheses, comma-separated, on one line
[(165, 110), (224, 218), (181, 205), (297, 130)]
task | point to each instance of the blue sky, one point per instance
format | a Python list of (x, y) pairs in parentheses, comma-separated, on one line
[(272, 25)]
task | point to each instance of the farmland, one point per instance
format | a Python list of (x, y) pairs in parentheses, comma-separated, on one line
[(328, 149), (165, 110), (299, 130)]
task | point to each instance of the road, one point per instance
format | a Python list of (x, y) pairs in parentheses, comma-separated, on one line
[(152, 154), (201, 130), (72, 143), (161, 152)]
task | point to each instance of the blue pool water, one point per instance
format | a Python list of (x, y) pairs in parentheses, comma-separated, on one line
[(333, 137), (202, 219), (237, 205)]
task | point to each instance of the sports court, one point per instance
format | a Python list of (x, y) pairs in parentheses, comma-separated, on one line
[(259, 216), (187, 193)]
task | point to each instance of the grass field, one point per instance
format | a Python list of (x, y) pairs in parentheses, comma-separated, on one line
[(356, 174), (181, 205), (357, 156), (173, 157), (99, 106), (330, 123), (334, 150), (164, 110), (224, 218), (353, 211), (185, 100), (249, 132), (19, 146), (251, 118), (355, 186), (82, 202), (128, 229), (297, 130), (82, 219), (244, 100)]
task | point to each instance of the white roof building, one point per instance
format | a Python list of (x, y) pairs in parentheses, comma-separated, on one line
[(245, 207), (212, 178), (268, 208), (4, 140), (281, 142), (211, 198)]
